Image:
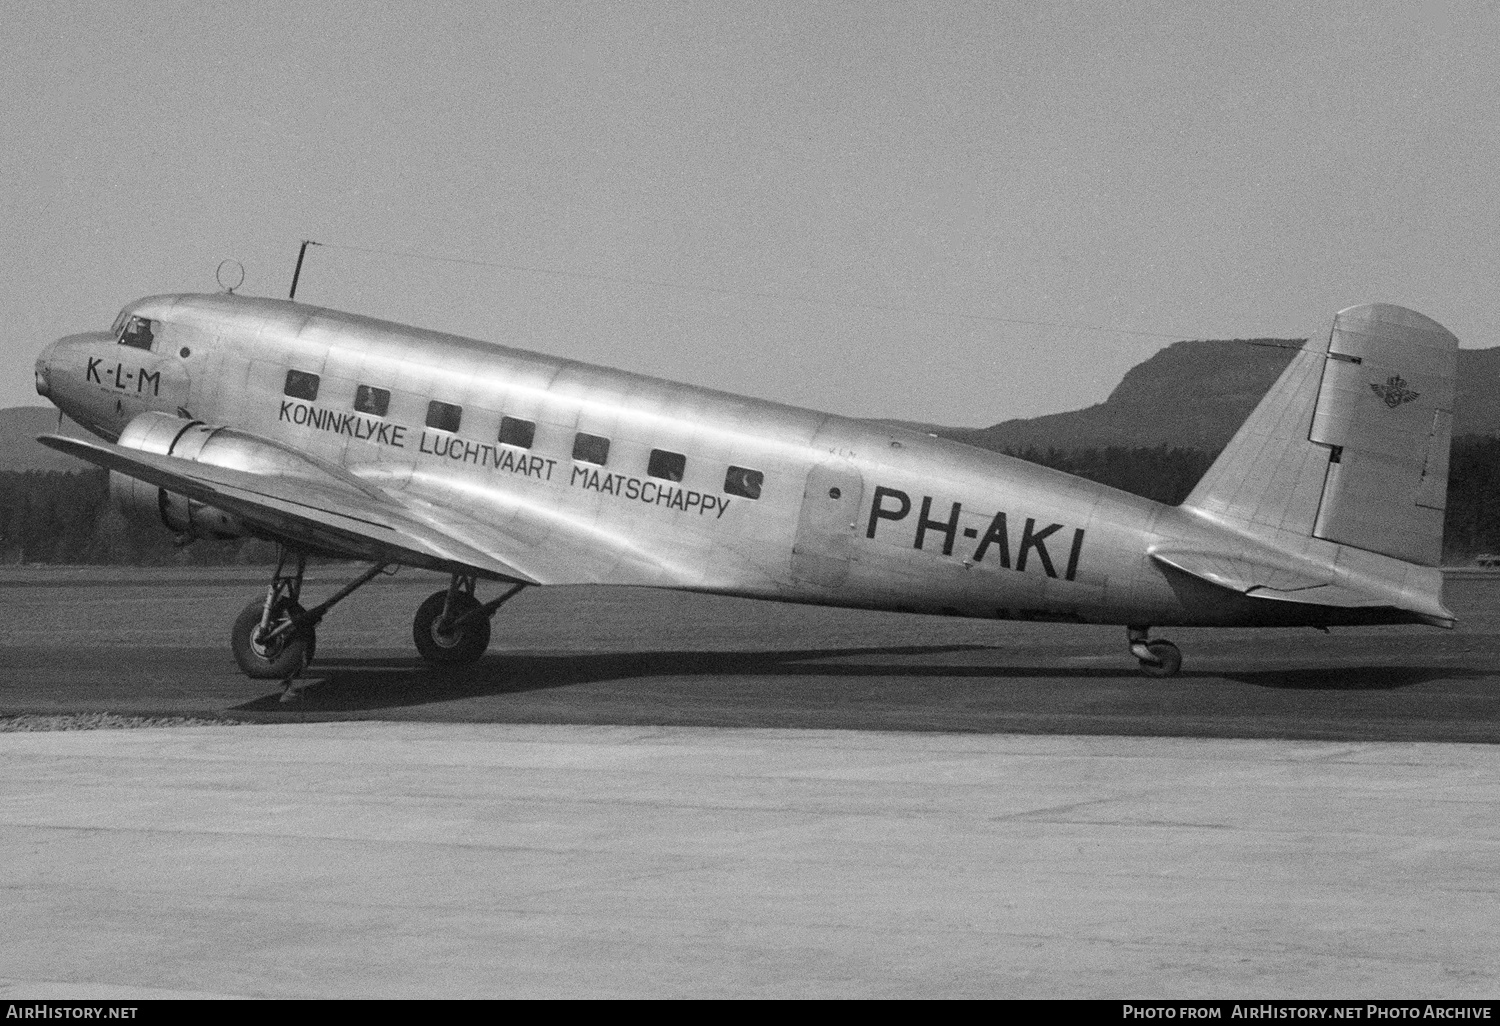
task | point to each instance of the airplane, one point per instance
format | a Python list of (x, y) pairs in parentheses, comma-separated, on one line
[(339, 435)]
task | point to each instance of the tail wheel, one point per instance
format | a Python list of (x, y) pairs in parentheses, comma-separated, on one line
[(1168, 659), (276, 658), (441, 641)]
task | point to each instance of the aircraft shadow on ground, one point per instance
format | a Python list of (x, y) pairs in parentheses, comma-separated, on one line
[(372, 683), (356, 683), (1351, 678)]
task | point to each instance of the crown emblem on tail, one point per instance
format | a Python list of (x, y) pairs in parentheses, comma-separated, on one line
[(1394, 391)]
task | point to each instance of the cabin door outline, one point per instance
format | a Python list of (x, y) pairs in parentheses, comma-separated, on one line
[(828, 524)]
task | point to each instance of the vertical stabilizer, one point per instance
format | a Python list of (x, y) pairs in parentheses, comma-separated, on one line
[(1351, 443)]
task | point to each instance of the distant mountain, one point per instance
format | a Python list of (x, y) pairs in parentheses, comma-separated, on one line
[(19, 450), (1195, 395)]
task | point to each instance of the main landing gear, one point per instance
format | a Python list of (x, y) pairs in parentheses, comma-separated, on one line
[(452, 627), (274, 638), (1158, 658)]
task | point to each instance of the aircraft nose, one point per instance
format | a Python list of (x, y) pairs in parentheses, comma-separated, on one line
[(44, 371)]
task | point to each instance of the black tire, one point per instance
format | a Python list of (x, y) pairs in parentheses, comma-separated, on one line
[(1169, 659), (450, 648), (280, 660)]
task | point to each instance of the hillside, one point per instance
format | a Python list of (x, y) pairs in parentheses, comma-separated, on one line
[(19, 450), (1195, 395)]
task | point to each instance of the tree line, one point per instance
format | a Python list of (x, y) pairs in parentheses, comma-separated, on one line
[(61, 517), (53, 517), (1471, 522)]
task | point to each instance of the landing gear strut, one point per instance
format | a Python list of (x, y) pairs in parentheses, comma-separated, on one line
[(452, 627), (1158, 658), (267, 639), (274, 638)]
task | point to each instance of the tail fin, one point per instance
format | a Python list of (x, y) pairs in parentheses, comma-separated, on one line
[(1351, 443)]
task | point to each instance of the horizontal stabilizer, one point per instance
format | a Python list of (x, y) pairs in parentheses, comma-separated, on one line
[(1242, 574), (1265, 577)]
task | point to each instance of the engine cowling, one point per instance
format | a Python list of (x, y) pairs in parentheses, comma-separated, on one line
[(197, 442), (181, 515)]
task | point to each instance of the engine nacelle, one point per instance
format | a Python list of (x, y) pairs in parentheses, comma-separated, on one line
[(183, 516), (197, 442)]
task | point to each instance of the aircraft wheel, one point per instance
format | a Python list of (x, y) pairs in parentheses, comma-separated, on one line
[(1168, 656), (277, 660), (450, 647)]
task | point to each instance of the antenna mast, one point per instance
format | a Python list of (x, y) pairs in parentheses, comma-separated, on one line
[(297, 273)]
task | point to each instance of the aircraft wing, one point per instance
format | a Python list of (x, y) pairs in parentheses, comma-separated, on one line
[(346, 517)]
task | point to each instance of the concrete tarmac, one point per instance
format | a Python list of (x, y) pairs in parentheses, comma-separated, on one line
[(493, 860), (585, 814)]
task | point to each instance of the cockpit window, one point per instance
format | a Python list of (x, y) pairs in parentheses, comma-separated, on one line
[(136, 333)]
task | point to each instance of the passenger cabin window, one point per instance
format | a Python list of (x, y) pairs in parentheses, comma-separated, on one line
[(520, 433), (590, 449), (666, 465), (301, 385), (374, 401), (444, 416), (137, 333), (744, 483)]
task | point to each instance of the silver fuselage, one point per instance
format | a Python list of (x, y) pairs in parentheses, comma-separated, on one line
[(849, 512)]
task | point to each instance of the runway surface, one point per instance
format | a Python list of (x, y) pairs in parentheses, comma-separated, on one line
[(155, 643), (501, 860)]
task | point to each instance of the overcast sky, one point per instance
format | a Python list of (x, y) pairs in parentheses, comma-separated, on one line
[(855, 202)]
